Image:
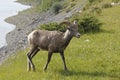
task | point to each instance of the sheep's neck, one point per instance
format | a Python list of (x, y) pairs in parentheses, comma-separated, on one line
[(67, 37)]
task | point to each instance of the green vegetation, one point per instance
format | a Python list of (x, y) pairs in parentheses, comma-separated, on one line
[(56, 8), (96, 10), (116, 1), (52, 26), (55, 5), (106, 5), (92, 57), (87, 23), (90, 24), (40, 5), (91, 1)]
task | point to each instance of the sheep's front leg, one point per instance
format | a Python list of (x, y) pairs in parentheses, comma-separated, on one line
[(48, 60), (63, 59)]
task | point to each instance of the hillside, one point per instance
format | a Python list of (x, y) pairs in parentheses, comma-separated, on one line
[(27, 21), (95, 56)]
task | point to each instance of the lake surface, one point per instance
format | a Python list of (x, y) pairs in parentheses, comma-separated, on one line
[(8, 8)]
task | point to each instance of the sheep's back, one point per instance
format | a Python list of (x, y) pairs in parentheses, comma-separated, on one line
[(45, 39)]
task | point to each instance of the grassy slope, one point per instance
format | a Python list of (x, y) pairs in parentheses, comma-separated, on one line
[(92, 57), (38, 5)]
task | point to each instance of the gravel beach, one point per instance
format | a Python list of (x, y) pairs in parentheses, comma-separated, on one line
[(26, 22)]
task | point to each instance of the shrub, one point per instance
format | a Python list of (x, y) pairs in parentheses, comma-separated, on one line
[(86, 7), (52, 26), (68, 9), (106, 5), (56, 8), (87, 23), (90, 23), (72, 4), (91, 1), (96, 10), (116, 1)]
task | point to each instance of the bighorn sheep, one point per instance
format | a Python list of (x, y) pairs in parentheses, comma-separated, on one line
[(52, 41)]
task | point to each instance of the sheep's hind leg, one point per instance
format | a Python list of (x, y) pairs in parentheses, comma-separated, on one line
[(32, 55), (29, 61), (35, 52)]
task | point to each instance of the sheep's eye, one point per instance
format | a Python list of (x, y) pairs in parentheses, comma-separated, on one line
[(70, 29)]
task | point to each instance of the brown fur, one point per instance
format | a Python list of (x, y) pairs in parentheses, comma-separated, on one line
[(52, 41)]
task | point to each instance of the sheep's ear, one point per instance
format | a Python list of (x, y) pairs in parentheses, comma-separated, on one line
[(75, 22)]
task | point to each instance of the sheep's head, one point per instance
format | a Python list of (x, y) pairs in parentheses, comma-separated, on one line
[(72, 27)]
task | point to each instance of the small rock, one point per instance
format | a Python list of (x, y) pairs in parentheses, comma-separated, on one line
[(6, 51), (19, 29)]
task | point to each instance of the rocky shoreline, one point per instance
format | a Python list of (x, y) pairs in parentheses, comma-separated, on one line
[(17, 39), (26, 22)]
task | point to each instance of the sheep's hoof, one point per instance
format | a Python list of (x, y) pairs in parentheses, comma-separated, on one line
[(45, 67), (66, 69), (45, 70), (33, 69), (28, 70)]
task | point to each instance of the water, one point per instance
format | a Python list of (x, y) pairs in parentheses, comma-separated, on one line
[(8, 8)]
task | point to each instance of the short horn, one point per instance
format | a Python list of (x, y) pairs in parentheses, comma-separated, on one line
[(65, 22)]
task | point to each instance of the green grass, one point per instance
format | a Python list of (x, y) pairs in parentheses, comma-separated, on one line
[(39, 5), (92, 57), (44, 5)]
